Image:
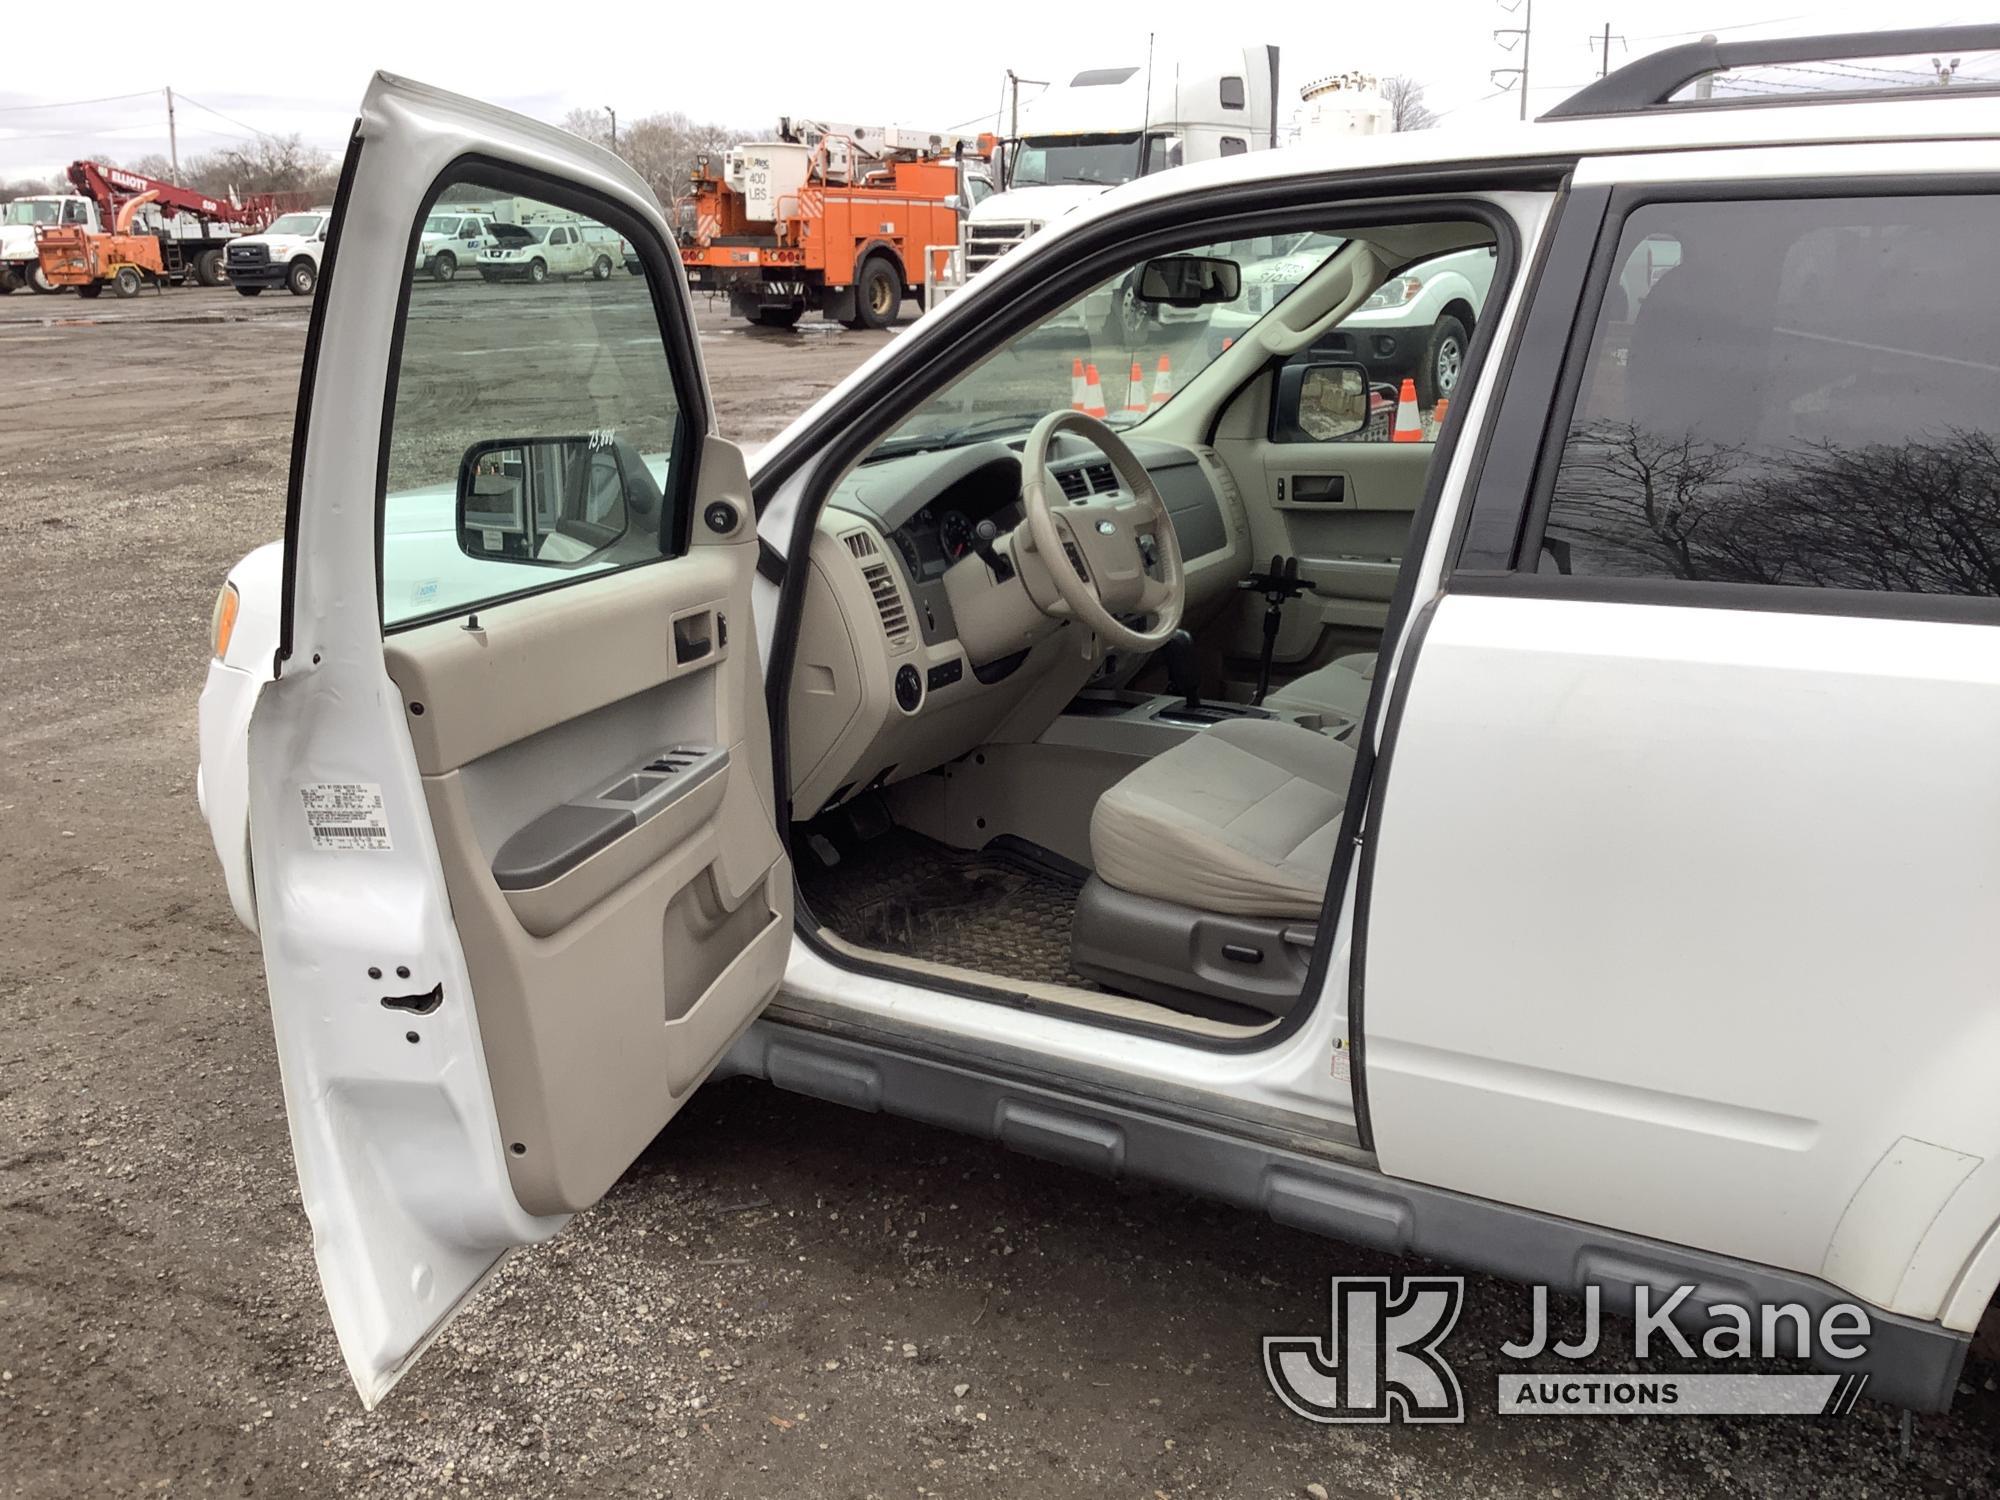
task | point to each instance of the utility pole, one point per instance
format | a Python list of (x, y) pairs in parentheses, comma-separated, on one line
[(614, 128), (1705, 86), (1524, 34), (1604, 63), (1014, 82), (173, 137)]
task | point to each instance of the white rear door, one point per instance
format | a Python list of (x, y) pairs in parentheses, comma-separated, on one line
[(1681, 914), (512, 824)]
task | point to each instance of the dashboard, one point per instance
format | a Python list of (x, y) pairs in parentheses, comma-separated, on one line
[(900, 667), (942, 532)]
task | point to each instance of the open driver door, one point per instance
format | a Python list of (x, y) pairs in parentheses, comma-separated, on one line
[(517, 868)]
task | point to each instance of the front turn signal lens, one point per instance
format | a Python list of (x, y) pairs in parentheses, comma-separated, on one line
[(222, 625)]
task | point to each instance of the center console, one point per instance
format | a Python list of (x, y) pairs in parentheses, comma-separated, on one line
[(1146, 724)]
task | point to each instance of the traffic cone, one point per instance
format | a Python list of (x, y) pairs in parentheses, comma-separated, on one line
[(1135, 391), (1076, 399), (1438, 414), (1093, 394), (1163, 383), (1409, 427)]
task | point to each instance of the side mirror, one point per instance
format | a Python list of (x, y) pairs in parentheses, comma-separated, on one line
[(1319, 403), (555, 502), (1189, 280)]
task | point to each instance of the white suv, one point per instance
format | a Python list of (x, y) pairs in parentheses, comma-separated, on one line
[(1592, 883)]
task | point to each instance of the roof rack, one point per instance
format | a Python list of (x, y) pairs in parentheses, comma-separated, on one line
[(1651, 82)]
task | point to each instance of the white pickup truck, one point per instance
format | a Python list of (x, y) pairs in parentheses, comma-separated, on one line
[(450, 242), (286, 254), (535, 253)]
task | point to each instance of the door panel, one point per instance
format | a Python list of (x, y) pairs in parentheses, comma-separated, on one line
[(594, 1024), (1681, 914), (517, 859), (1344, 510), (1717, 886)]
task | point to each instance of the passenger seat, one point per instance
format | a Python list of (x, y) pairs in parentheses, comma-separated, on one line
[(1211, 867), (1340, 687)]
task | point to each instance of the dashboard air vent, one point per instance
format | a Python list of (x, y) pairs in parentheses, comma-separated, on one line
[(1073, 483), (860, 543), (1102, 477), (888, 603)]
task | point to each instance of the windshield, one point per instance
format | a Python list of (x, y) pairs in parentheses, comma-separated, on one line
[(1141, 354), (295, 224), (22, 211), (1101, 160)]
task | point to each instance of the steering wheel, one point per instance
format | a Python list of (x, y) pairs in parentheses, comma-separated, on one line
[(1097, 549)]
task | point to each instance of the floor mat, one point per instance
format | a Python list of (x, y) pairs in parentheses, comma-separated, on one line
[(914, 897)]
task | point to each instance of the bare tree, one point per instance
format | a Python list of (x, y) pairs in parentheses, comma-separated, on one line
[(1920, 516), (662, 148), (1407, 110), (29, 187), (273, 164), (155, 166)]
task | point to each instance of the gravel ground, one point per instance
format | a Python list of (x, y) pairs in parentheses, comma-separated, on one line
[(779, 1298)]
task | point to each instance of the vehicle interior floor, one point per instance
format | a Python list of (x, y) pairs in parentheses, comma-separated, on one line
[(1000, 916), (1003, 910)]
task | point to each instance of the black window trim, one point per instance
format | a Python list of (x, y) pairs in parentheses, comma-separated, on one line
[(1511, 500), (693, 418)]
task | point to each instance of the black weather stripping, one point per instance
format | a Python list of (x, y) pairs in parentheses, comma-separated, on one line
[(1651, 82)]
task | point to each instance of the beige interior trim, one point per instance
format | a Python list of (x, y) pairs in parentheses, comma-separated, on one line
[(552, 657), (605, 995)]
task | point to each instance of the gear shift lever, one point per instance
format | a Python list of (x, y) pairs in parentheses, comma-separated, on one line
[(1183, 668)]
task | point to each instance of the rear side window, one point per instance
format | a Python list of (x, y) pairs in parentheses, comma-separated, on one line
[(1800, 393), (1232, 93)]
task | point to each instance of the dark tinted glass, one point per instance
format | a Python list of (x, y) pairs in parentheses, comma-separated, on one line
[(1232, 93), (1801, 393)]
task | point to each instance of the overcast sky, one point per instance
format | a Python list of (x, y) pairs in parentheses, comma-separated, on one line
[(238, 77)]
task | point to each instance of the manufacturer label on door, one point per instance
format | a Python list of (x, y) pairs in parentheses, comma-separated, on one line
[(346, 815)]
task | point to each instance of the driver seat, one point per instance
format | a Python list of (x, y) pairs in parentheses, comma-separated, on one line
[(1211, 866)]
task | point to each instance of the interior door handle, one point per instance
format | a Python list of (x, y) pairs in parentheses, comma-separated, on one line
[(1317, 489)]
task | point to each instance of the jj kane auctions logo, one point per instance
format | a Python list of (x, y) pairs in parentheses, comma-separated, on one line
[(1381, 1357)]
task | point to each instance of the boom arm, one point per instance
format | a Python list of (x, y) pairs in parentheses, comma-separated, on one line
[(112, 188)]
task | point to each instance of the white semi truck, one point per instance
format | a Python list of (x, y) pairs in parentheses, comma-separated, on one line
[(1108, 125)]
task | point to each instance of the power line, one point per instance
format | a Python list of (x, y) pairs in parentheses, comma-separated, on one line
[(8, 109), (241, 125), (1661, 36)]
